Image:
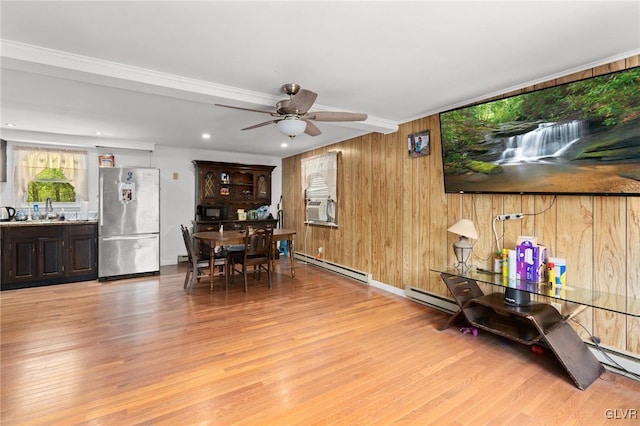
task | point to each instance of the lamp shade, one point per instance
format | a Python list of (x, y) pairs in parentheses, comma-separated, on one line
[(292, 126), (464, 228), (463, 247)]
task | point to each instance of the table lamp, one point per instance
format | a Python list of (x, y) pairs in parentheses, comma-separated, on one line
[(462, 247)]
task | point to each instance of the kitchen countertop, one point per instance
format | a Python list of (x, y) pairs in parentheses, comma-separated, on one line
[(50, 222)]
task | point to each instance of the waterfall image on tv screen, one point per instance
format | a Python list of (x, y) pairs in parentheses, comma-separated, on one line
[(577, 138)]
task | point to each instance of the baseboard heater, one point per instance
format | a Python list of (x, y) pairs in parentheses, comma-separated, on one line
[(610, 358), (431, 299), (363, 277)]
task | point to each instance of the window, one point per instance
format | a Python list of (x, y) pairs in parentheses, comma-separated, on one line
[(51, 183), (42, 173)]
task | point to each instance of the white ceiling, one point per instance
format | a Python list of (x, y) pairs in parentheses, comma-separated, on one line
[(148, 73)]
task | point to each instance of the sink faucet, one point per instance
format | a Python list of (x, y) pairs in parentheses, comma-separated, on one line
[(48, 208)]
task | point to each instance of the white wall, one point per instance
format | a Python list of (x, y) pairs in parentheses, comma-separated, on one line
[(176, 195)]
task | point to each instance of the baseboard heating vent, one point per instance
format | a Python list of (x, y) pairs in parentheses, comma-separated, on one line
[(363, 277), (431, 299), (183, 258)]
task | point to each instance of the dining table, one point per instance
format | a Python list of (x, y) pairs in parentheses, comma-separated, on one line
[(227, 238)]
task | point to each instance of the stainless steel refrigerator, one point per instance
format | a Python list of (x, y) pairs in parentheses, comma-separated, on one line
[(129, 222)]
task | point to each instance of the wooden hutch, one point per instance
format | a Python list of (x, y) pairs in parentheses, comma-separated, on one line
[(233, 186)]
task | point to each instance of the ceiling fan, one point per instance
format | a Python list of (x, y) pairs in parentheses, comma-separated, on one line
[(292, 114)]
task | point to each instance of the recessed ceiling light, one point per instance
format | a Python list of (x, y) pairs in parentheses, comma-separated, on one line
[(10, 124), (206, 136), (98, 133), (284, 144)]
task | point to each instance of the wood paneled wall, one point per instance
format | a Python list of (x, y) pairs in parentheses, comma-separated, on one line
[(393, 215)]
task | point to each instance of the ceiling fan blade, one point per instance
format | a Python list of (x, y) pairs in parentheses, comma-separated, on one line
[(335, 116), (302, 101), (312, 129), (255, 126), (247, 109)]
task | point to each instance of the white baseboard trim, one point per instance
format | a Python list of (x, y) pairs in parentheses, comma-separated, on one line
[(388, 288)]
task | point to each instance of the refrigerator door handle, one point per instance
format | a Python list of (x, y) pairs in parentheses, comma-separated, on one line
[(101, 201), (130, 237)]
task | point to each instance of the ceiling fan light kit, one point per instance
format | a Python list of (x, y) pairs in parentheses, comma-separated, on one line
[(292, 126), (292, 114)]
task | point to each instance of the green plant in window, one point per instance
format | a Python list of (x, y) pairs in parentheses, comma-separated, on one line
[(51, 183)]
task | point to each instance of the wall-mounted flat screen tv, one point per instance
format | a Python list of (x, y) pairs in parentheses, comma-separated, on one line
[(581, 137)]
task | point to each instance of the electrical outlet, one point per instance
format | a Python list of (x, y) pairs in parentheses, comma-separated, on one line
[(509, 216), (320, 250)]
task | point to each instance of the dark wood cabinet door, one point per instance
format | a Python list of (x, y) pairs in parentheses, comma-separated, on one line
[(50, 257), (263, 187), (21, 261), (82, 251), (209, 186)]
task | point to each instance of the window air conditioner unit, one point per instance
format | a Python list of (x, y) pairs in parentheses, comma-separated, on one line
[(317, 210)]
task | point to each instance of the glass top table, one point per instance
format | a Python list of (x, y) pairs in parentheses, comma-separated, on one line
[(627, 305)]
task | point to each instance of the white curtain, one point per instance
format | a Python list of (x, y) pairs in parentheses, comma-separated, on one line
[(319, 181), (325, 166), (28, 162)]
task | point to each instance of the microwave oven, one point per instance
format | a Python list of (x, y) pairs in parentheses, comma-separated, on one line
[(208, 212)]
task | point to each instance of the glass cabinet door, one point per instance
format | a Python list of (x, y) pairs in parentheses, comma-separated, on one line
[(263, 187), (209, 185)]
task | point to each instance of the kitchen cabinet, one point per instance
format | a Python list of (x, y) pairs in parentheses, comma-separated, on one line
[(233, 185), (48, 253), (82, 253), (33, 254)]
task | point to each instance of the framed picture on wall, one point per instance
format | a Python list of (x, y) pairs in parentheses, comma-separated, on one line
[(418, 144)]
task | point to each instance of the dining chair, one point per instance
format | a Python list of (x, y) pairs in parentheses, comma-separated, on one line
[(257, 253), (200, 266)]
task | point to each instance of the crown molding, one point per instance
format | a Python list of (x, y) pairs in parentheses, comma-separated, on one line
[(41, 60), (58, 139), (115, 73)]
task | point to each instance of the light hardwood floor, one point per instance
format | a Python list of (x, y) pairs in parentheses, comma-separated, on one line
[(319, 349)]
